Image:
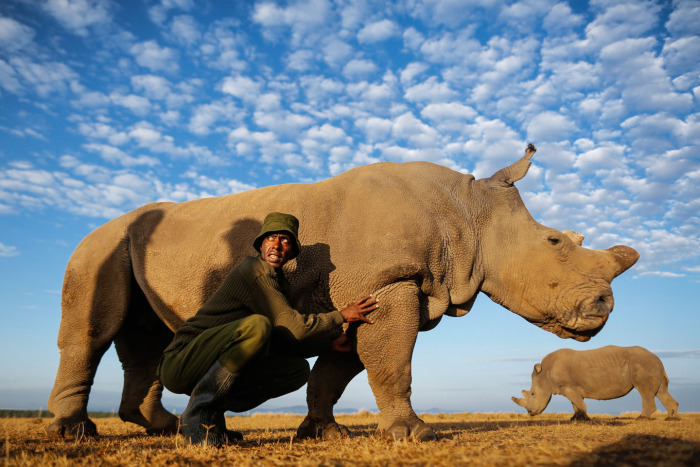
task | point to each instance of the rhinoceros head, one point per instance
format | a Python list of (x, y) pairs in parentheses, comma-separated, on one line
[(543, 274), (539, 396)]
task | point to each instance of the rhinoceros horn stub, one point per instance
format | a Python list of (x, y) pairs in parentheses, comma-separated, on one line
[(575, 237), (517, 170)]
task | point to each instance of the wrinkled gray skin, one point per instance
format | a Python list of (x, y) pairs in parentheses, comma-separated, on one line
[(421, 237), (605, 373)]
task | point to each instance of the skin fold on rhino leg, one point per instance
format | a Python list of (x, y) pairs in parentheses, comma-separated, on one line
[(329, 377), (140, 344), (386, 349), (580, 409)]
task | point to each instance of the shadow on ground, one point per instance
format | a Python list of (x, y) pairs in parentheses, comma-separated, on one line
[(642, 450)]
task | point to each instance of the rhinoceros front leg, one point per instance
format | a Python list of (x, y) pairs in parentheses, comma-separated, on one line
[(386, 349), (329, 377), (580, 409)]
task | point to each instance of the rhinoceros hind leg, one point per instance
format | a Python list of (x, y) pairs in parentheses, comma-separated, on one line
[(668, 401), (90, 319), (329, 377), (76, 427), (140, 344)]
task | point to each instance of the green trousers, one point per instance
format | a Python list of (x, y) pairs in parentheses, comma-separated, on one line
[(244, 347)]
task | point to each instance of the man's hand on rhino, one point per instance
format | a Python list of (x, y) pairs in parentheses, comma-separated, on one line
[(357, 310)]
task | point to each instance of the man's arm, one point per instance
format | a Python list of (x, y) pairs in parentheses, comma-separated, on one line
[(268, 300)]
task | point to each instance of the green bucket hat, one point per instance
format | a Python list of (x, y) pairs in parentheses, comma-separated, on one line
[(279, 222)]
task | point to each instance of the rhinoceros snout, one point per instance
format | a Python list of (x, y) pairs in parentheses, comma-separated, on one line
[(601, 307)]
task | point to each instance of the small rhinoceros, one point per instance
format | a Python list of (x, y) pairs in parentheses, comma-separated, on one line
[(605, 373)]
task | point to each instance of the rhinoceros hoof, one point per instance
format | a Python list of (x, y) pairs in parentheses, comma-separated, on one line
[(316, 429), (673, 418), (580, 417), (400, 430), (644, 417), (71, 428)]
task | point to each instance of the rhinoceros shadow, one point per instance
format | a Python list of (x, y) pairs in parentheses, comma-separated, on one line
[(449, 430), (641, 449)]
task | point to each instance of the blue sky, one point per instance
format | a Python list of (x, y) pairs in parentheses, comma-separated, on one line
[(107, 105)]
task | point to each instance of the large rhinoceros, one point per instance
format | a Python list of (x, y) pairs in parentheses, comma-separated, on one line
[(421, 237), (605, 373)]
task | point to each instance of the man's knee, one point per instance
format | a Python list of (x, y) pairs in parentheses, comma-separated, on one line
[(255, 328)]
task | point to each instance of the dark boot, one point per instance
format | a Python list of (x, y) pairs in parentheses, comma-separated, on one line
[(230, 435), (203, 422)]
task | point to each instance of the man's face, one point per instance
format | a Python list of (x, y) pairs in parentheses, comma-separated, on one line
[(277, 248)]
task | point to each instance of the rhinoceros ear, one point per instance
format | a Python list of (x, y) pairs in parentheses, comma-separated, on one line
[(507, 176), (538, 368)]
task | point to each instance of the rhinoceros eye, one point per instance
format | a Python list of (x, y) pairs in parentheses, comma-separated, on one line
[(553, 240)]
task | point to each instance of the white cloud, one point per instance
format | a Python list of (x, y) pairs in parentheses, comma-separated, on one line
[(359, 68), (9, 79), (411, 71), (138, 105), (7, 251), (206, 115), (603, 157), (620, 21), (452, 12), (304, 17), (336, 52), (377, 31), (185, 30), (158, 13), (448, 111), (430, 90), (550, 126), (681, 57), (154, 57), (44, 78), (684, 19), (79, 15), (300, 60), (14, 36), (407, 127), (155, 87), (242, 87), (560, 19), (116, 155)]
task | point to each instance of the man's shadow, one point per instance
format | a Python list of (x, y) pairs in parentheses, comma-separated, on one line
[(308, 274)]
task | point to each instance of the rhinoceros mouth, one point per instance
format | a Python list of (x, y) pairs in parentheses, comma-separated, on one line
[(588, 317)]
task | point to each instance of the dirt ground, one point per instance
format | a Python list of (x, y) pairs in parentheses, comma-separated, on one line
[(464, 439)]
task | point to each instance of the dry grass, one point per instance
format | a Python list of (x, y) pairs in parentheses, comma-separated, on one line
[(464, 439)]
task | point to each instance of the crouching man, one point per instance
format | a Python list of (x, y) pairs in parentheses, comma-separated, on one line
[(244, 345)]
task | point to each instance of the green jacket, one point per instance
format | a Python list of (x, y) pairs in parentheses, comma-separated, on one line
[(255, 287)]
